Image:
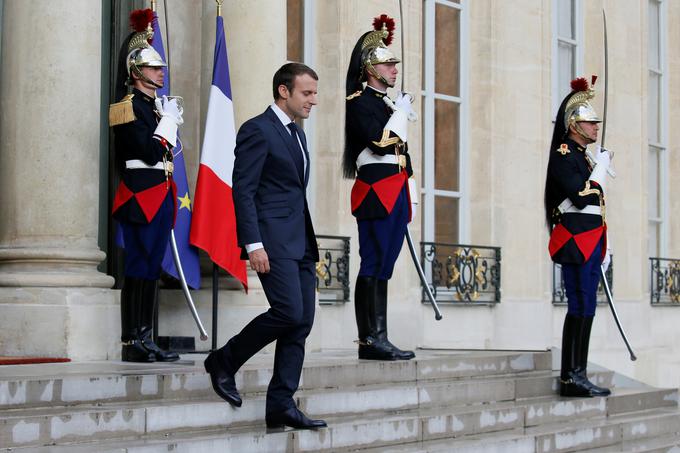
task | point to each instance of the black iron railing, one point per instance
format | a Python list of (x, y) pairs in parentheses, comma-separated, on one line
[(332, 270), (559, 295), (665, 281), (462, 274)]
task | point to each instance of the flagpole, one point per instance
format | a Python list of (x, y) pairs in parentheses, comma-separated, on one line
[(216, 270), (215, 301)]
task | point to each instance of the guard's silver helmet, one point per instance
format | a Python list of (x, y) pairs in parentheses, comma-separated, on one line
[(578, 107), (374, 48), (140, 52)]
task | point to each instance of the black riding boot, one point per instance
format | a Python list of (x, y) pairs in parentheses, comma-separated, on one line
[(130, 297), (149, 306), (595, 390), (381, 321), (370, 346), (571, 382)]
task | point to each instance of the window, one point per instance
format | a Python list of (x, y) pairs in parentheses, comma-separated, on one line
[(296, 32), (656, 129), (300, 48), (444, 198), (567, 47)]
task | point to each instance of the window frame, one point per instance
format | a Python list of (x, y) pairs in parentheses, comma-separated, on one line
[(577, 43), (429, 95), (661, 221)]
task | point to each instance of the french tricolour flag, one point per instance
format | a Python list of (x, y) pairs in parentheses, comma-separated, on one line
[(213, 225)]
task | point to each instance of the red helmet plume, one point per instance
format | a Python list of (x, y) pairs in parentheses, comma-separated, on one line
[(388, 22), (579, 84), (140, 19)]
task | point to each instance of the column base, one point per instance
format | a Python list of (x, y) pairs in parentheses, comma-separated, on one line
[(53, 267), (76, 323)]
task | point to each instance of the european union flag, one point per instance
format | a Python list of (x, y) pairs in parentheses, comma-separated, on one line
[(188, 254)]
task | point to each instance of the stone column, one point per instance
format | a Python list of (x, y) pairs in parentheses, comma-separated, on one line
[(256, 44), (50, 80)]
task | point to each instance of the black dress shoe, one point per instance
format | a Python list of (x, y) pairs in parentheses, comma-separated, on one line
[(293, 418), (222, 382)]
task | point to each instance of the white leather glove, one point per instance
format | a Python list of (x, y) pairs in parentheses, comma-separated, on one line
[(170, 107), (171, 118), (405, 102), (602, 162)]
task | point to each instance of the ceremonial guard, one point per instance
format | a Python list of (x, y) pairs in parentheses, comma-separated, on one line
[(575, 212), (145, 129), (376, 154)]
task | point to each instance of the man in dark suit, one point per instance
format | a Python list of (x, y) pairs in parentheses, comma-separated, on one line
[(274, 226)]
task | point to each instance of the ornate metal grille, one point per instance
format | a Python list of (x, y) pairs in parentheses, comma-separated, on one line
[(559, 295), (459, 273), (665, 281), (332, 270)]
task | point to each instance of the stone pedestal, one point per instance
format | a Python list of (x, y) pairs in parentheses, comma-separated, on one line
[(55, 302)]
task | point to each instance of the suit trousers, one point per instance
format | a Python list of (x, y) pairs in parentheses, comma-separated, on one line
[(289, 287)]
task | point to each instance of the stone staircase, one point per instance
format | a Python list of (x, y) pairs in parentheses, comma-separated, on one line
[(462, 401)]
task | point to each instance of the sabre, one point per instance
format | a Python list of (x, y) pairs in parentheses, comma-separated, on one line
[(185, 287), (610, 170), (409, 239), (607, 291)]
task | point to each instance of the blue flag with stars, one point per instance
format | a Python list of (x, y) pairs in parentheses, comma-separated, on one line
[(188, 254)]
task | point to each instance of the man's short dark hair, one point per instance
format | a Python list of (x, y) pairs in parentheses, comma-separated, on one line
[(286, 76)]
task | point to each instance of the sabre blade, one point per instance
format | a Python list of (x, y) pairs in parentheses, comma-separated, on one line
[(606, 80), (421, 274), (610, 300), (185, 287)]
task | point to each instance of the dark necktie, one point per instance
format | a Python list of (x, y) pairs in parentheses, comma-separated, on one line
[(297, 156)]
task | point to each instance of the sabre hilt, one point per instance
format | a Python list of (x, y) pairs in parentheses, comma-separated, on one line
[(591, 158), (412, 116)]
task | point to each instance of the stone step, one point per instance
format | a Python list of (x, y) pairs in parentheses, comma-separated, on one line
[(660, 444), (102, 382), (631, 400), (580, 435), (459, 414), (401, 433)]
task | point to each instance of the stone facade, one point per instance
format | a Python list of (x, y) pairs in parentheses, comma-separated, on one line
[(48, 226)]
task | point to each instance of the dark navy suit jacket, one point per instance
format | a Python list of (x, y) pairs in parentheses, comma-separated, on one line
[(268, 191)]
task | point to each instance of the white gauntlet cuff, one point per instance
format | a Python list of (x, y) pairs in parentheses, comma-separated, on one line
[(398, 123), (167, 128)]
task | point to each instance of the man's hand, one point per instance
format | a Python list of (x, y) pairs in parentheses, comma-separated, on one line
[(259, 261)]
